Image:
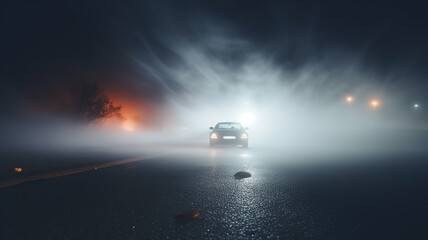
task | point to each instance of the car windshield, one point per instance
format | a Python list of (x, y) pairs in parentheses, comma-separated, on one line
[(228, 126)]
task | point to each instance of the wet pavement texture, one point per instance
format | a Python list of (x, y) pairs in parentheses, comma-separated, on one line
[(380, 198)]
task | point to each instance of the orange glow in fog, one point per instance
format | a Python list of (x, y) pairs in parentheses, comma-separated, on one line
[(128, 126), (135, 114)]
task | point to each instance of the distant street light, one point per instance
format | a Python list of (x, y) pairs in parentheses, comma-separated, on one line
[(349, 99), (374, 104), (416, 106)]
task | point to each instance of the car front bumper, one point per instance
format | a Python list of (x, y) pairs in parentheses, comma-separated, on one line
[(221, 141)]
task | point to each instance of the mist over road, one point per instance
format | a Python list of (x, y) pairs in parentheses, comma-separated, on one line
[(287, 196)]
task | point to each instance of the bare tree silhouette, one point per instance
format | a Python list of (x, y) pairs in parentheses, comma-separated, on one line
[(90, 103)]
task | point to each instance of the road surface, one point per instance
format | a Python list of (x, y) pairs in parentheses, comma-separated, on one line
[(286, 197)]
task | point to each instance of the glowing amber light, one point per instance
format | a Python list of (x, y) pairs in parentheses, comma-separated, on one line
[(374, 104), (349, 99), (195, 214), (18, 169)]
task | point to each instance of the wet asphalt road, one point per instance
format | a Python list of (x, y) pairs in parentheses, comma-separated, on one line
[(370, 197)]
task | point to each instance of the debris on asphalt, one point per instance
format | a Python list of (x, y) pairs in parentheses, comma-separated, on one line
[(242, 174), (18, 169), (188, 215)]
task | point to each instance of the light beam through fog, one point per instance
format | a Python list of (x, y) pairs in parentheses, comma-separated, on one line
[(219, 76), (289, 109), (298, 108)]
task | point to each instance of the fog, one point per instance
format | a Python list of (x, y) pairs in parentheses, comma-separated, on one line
[(204, 77), (299, 109), (226, 79)]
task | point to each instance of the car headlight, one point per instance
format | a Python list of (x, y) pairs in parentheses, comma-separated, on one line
[(244, 135), (213, 135)]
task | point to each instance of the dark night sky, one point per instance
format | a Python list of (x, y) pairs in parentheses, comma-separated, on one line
[(45, 45)]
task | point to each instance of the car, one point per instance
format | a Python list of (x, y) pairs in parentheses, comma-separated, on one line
[(228, 133)]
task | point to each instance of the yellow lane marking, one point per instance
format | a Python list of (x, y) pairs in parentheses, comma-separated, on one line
[(13, 182)]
